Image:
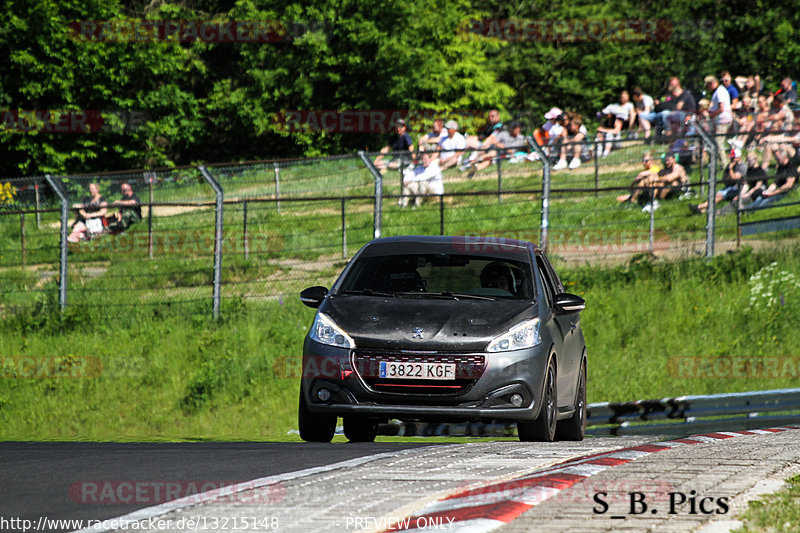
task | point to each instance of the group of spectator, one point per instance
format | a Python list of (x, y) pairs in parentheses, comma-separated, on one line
[(444, 147), (739, 109), (91, 219)]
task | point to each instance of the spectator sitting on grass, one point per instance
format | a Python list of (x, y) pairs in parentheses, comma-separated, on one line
[(400, 143), (573, 143), (755, 181), (615, 118), (787, 90), (505, 142), (430, 140), (492, 125), (644, 106), (669, 182), (130, 209), (452, 147), (546, 135), (785, 180), (90, 215), (423, 180), (732, 179), (645, 178)]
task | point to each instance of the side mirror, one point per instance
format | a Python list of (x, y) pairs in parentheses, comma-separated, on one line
[(313, 296), (566, 303)]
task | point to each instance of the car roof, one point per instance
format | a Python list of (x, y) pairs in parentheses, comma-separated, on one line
[(461, 244)]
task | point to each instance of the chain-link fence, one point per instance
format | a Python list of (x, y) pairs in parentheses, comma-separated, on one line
[(209, 236)]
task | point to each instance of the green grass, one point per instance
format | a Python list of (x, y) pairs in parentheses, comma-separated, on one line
[(182, 376), (775, 512), (170, 372)]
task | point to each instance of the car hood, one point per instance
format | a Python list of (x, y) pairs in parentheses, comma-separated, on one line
[(461, 325)]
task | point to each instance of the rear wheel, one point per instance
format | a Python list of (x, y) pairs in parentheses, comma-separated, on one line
[(314, 428), (543, 428), (574, 428), (360, 429)]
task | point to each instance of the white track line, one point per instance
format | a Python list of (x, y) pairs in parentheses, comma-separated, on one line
[(205, 497)]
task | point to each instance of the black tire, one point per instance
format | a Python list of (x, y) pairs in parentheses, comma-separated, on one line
[(574, 428), (543, 428), (360, 429), (314, 428)]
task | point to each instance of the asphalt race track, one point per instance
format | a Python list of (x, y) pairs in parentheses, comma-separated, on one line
[(36, 478), (601, 484)]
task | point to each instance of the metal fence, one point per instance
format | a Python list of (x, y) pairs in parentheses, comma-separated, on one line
[(218, 234)]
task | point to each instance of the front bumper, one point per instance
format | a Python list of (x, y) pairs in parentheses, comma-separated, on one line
[(485, 398)]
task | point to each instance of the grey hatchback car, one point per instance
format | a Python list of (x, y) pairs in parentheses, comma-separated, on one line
[(444, 329)]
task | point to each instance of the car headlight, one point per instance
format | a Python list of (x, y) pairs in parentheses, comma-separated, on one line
[(524, 335), (325, 331)]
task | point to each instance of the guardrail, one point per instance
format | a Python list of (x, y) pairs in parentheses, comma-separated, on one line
[(689, 413), (682, 415)]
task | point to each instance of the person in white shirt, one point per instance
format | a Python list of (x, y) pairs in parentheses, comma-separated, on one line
[(720, 112), (423, 180), (452, 147), (644, 105)]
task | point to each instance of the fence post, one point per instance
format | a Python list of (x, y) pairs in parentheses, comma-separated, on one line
[(499, 180), (244, 231), (652, 228), (344, 232), (545, 220), (277, 186), (150, 177), (38, 206), (217, 237), (378, 206), (441, 214), (22, 235), (62, 196), (712, 187), (597, 146)]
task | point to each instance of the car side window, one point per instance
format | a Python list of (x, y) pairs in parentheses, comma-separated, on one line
[(544, 277), (556, 281)]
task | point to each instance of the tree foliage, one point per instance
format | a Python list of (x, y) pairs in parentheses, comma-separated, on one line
[(166, 102)]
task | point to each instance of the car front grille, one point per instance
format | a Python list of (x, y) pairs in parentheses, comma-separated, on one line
[(469, 367)]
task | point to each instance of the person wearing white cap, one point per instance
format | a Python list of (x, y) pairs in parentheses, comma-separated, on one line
[(452, 147), (547, 135)]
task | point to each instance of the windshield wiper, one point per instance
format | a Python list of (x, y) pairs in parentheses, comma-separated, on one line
[(368, 292), (458, 295)]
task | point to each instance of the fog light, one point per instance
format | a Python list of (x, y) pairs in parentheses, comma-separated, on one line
[(325, 395), (515, 400)]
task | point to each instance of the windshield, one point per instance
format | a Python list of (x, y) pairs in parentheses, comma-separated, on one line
[(439, 274)]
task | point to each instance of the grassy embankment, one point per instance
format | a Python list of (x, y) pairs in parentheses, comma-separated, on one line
[(153, 375)]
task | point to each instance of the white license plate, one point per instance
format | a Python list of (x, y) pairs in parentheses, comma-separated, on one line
[(440, 371)]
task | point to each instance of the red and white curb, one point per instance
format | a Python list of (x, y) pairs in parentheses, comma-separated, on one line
[(491, 506)]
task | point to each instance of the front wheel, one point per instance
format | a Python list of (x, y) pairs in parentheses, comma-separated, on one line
[(314, 428), (574, 428), (360, 429), (543, 428)]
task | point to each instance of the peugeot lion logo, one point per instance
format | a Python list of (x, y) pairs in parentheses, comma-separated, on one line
[(416, 333)]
